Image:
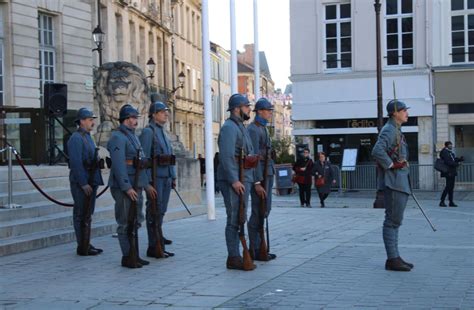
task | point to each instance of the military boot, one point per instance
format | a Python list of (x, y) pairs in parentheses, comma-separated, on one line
[(407, 263), (235, 262), (87, 252), (126, 262), (140, 260), (396, 264)]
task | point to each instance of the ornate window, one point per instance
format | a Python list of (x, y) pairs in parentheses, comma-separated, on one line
[(337, 36), (399, 32), (47, 51), (462, 31)]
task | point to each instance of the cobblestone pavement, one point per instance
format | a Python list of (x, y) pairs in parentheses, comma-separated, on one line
[(329, 258)]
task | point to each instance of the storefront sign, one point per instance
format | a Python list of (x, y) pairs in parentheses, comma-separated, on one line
[(10, 121), (361, 123)]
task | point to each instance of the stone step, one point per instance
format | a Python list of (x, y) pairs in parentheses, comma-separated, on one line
[(24, 197), (52, 237), (44, 183), (42, 208), (36, 172), (100, 227), (47, 222)]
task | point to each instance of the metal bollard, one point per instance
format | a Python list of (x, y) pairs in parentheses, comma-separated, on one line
[(10, 204)]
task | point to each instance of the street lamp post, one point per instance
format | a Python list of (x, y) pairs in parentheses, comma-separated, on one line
[(181, 78), (150, 66), (98, 36), (377, 6), (379, 199)]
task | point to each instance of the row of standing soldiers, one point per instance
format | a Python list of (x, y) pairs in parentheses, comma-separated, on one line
[(138, 164), (147, 163), (246, 169)]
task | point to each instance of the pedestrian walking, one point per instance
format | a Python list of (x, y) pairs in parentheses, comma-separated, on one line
[(236, 177), (323, 177), (264, 172), (202, 168), (452, 162), (391, 154), (154, 134), (303, 168), (127, 180), (216, 164), (84, 178)]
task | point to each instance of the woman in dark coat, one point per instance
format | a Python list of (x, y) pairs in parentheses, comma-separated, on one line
[(303, 176), (322, 169)]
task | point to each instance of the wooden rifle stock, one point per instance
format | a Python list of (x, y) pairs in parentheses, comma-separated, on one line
[(263, 253), (86, 221), (155, 213), (132, 216), (247, 259)]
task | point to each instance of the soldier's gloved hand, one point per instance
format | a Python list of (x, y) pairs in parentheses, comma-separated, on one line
[(150, 190), (132, 194), (87, 189), (173, 184), (260, 191), (238, 187), (398, 165)]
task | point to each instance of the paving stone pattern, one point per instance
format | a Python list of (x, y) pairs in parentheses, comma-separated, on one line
[(329, 258)]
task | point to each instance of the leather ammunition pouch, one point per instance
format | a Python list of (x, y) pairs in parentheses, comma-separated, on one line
[(92, 166), (142, 163), (250, 161), (165, 160)]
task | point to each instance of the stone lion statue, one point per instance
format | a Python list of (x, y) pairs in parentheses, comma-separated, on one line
[(118, 83)]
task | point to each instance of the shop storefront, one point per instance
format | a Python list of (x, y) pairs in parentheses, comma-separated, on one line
[(455, 108), (334, 136)]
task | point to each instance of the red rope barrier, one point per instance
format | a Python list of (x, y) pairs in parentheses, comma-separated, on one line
[(18, 158)]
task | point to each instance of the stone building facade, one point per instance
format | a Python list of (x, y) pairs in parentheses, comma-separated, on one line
[(42, 41), (169, 32)]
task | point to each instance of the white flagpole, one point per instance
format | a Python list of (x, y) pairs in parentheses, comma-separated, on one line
[(256, 56), (206, 59), (233, 50)]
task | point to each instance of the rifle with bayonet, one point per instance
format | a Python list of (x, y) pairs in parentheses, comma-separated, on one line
[(263, 250), (132, 216), (154, 212), (247, 259), (87, 219)]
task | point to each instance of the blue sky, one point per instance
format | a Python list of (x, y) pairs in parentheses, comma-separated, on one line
[(274, 31)]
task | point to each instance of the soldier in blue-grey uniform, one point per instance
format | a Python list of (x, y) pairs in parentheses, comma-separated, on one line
[(85, 178), (126, 154), (263, 147), (154, 134), (233, 141), (391, 154)]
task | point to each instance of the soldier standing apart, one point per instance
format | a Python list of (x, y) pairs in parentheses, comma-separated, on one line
[(391, 153), (262, 146), (154, 134), (234, 140), (127, 155), (85, 178)]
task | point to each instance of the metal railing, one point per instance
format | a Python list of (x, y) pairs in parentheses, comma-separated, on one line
[(423, 177), (10, 205)]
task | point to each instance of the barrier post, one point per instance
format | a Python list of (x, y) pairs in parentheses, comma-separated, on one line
[(10, 204)]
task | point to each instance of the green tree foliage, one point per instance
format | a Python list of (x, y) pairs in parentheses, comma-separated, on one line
[(282, 149)]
